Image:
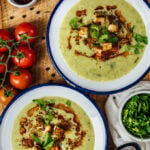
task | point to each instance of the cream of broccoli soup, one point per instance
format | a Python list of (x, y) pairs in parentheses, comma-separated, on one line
[(52, 123), (102, 40)]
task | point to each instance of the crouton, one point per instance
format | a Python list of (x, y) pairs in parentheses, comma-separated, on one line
[(55, 148), (23, 121), (97, 19), (58, 133), (83, 32), (106, 46), (32, 110), (113, 28), (120, 16), (47, 129), (98, 52), (22, 130)]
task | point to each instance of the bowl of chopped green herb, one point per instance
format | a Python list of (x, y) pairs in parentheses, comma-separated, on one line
[(134, 116)]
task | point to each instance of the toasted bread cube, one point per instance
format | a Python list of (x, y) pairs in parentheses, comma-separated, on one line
[(35, 148), (98, 52), (58, 133), (54, 148), (113, 28), (83, 32), (98, 19), (106, 46), (47, 129), (32, 111)]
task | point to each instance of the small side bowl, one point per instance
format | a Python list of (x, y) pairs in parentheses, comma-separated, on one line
[(120, 116), (12, 2)]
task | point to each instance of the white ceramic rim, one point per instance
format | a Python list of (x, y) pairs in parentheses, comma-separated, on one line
[(10, 113), (79, 82), (125, 100), (12, 2)]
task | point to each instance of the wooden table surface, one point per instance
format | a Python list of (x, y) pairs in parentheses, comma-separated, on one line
[(43, 70)]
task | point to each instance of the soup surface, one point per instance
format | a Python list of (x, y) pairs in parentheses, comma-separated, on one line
[(102, 40), (52, 123)]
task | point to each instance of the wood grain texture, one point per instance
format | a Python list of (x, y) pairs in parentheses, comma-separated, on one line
[(43, 70)]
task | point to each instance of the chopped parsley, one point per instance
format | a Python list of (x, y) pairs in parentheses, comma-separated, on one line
[(141, 38), (46, 143), (43, 103), (68, 103), (75, 24), (136, 116)]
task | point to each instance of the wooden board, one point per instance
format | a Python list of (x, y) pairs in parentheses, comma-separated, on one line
[(43, 70)]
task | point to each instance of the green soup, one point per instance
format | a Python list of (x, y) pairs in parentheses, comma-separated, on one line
[(101, 70), (55, 120)]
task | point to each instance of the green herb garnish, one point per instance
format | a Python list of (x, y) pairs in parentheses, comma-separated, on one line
[(94, 27), (132, 29), (43, 103), (68, 103), (95, 34), (48, 142), (137, 47), (136, 51), (136, 116), (94, 31), (104, 30), (48, 118), (75, 24), (112, 40), (141, 38), (103, 38), (36, 139)]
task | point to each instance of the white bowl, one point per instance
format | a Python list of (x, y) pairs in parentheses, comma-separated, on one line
[(120, 116), (12, 2), (96, 117), (81, 83)]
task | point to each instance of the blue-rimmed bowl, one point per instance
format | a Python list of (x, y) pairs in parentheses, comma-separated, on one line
[(148, 4), (83, 84), (13, 109)]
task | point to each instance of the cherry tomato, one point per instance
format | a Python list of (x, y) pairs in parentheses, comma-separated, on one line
[(28, 29), (2, 66), (28, 59), (21, 81), (5, 35), (5, 99)]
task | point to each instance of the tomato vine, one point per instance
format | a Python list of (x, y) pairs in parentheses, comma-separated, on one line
[(19, 55)]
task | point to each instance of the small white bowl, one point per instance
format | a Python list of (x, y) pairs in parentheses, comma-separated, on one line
[(12, 2), (120, 116)]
